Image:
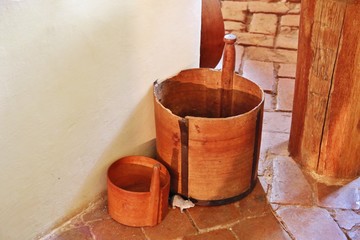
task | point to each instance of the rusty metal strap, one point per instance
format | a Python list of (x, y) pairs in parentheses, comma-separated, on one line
[(184, 138), (257, 142)]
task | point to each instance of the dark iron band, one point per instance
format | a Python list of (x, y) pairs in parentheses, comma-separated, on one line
[(258, 129), (184, 138), (226, 200)]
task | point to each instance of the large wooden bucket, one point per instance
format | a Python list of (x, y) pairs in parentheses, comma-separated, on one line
[(138, 191), (208, 131)]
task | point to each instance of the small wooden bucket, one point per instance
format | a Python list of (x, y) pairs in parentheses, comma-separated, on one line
[(138, 191), (208, 131)]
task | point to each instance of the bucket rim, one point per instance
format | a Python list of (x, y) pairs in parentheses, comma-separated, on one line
[(258, 106), (119, 189)]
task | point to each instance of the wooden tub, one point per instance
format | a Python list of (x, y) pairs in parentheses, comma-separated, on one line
[(208, 131), (138, 191)]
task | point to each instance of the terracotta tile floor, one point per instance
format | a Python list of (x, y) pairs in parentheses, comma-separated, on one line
[(287, 203), (249, 218)]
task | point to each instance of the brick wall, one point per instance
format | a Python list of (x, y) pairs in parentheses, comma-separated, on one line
[(259, 23), (267, 40)]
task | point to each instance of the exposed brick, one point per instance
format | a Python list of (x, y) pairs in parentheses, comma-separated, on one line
[(234, 26), (254, 39), (307, 223), (285, 94), (278, 7), (287, 70), (289, 185), (287, 38), (290, 20), (261, 73), (234, 10), (270, 55), (294, 8), (263, 23)]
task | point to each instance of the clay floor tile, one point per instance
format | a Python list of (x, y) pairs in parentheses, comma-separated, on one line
[(289, 185), (220, 234), (82, 233), (109, 229), (275, 143), (310, 179), (354, 234), (346, 219), (175, 225), (344, 197), (265, 164), (254, 204), (306, 223), (100, 212), (263, 181), (261, 73), (208, 217), (277, 122), (260, 228), (75, 222)]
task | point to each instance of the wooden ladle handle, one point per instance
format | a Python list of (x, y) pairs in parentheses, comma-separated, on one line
[(228, 66), (155, 194), (226, 106)]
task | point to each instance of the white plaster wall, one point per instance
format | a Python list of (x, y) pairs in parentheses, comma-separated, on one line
[(75, 95)]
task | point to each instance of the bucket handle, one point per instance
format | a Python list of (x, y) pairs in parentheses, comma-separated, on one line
[(227, 75), (154, 204)]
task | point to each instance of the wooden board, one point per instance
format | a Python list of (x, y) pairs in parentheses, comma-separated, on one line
[(212, 34), (325, 127), (340, 148)]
